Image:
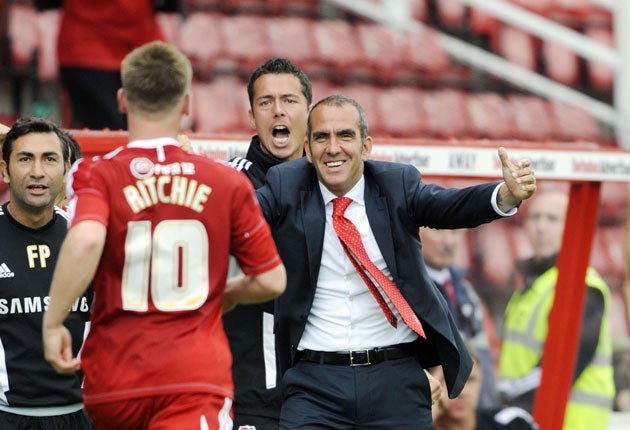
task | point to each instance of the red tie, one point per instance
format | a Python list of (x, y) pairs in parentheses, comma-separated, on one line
[(450, 291), (353, 246)]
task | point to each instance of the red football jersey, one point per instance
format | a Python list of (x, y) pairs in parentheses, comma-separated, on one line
[(172, 220)]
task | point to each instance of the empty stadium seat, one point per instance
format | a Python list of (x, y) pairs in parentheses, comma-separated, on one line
[(517, 46), (422, 56), (220, 107), (561, 63), (573, 123), (446, 113), (248, 41), (290, 37), (451, 12), (533, 118), (381, 47), (202, 40), (600, 76), (336, 46), (400, 112), (490, 116)]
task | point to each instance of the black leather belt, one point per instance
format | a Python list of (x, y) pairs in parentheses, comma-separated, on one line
[(361, 357)]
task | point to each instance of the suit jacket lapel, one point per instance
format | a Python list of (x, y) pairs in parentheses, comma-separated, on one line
[(314, 219), (378, 215)]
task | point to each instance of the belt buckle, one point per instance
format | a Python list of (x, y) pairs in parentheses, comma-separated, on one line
[(364, 353)]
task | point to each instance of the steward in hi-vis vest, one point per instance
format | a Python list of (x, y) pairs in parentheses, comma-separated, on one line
[(525, 330)]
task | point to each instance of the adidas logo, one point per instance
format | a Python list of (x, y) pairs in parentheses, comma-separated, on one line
[(5, 272)]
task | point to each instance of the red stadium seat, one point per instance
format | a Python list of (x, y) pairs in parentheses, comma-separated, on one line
[(574, 123), (419, 10), (561, 63), (246, 40), (517, 46), (446, 113), (422, 55), (533, 118), (401, 114), (600, 75), (490, 116), (290, 37), (202, 41), (336, 46), (216, 107), (381, 48), (451, 12)]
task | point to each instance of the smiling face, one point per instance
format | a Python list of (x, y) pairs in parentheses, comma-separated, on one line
[(35, 174), (335, 147), (279, 112)]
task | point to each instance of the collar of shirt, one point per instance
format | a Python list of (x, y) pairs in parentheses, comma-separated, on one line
[(357, 194), (439, 276), (152, 143)]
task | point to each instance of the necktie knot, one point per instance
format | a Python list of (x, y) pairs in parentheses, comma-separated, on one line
[(340, 204)]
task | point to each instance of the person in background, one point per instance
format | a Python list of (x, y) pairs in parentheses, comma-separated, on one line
[(466, 413), (439, 248), (154, 226), (94, 37), (526, 324), (35, 159), (280, 97), (352, 353)]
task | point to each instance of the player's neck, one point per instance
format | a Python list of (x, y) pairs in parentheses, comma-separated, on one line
[(140, 129), (31, 218)]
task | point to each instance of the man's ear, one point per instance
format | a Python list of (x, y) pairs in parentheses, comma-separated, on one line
[(4, 172), (187, 106), (122, 100), (367, 148), (252, 120)]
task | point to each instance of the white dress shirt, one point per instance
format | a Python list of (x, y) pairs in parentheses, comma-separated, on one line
[(344, 315)]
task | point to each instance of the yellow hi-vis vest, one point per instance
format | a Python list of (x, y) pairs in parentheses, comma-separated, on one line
[(525, 331)]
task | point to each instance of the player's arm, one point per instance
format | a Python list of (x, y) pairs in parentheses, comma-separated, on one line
[(254, 288), (78, 259)]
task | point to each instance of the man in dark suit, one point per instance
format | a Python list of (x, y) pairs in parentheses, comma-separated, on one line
[(344, 365)]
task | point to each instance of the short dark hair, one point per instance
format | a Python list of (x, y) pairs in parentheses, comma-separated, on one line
[(24, 126), (280, 66), (341, 100)]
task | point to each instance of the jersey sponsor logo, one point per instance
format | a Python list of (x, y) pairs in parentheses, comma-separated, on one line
[(5, 272), (37, 304), (143, 168)]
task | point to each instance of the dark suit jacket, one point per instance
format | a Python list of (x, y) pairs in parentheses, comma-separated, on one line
[(397, 204)]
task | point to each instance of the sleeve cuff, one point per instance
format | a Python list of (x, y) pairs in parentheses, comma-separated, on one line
[(495, 206)]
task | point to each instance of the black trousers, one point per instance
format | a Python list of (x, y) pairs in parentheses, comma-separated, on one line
[(93, 98), (390, 395), (73, 421)]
